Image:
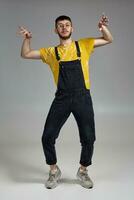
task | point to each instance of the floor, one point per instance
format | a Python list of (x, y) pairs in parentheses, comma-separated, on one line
[(23, 169)]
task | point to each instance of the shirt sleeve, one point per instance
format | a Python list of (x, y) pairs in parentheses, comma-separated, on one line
[(88, 44), (44, 54)]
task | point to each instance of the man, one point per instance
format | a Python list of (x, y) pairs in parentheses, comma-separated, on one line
[(69, 64)]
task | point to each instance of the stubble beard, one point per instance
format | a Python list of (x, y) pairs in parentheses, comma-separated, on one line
[(65, 37)]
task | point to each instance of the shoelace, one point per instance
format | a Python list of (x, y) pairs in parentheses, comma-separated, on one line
[(85, 175), (51, 177)]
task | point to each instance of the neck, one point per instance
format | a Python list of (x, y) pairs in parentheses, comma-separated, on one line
[(65, 42)]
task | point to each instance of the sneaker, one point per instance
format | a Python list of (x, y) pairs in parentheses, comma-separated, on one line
[(84, 179), (53, 179)]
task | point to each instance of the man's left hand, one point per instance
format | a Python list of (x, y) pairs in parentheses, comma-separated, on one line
[(103, 21)]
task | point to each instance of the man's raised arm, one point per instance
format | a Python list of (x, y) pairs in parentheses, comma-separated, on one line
[(26, 51), (106, 35)]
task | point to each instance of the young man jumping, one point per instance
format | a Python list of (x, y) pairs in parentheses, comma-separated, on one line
[(68, 62)]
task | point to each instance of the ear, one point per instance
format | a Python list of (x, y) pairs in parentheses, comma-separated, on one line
[(72, 29)]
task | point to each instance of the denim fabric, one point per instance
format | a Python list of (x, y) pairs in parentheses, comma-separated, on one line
[(79, 103)]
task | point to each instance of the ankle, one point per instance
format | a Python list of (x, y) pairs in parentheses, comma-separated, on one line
[(82, 168), (53, 167)]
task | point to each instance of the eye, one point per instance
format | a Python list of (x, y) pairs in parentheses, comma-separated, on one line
[(68, 25), (62, 25)]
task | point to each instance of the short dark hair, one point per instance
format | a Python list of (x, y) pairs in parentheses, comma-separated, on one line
[(62, 17)]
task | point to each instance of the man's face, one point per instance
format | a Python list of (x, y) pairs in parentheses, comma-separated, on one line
[(64, 29)]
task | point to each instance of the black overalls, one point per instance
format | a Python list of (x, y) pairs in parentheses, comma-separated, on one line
[(71, 97)]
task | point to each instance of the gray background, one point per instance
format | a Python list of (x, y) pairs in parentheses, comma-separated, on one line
[(27, 89)]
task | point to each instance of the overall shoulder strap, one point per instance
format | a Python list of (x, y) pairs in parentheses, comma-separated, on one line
[(56, 53), (78, 49)]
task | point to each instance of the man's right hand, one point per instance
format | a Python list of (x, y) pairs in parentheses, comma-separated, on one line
[(24, 32), (26, 51)]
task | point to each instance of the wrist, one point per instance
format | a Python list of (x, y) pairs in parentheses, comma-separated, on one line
[(27, 38)]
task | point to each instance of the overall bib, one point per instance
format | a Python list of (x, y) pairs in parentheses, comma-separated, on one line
[(71, 96)]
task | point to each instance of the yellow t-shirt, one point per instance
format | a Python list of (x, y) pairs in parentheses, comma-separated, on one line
[(69, 53)]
